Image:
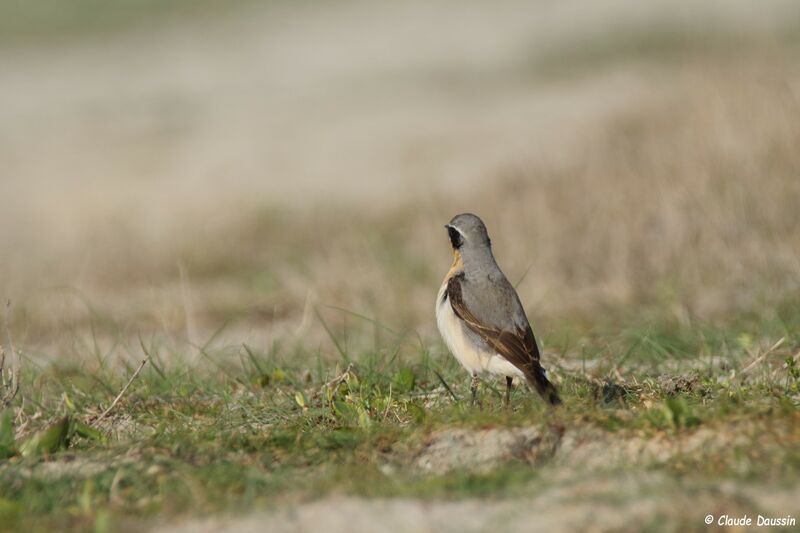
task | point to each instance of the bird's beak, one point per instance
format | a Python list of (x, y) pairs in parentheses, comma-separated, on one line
[(447, 226)]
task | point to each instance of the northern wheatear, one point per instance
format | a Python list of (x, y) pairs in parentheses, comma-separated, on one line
[(480, 316)]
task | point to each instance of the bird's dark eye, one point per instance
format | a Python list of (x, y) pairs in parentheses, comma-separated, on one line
[(455, 237)]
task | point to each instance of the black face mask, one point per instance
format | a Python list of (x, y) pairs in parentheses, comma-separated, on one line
[(455, 237)]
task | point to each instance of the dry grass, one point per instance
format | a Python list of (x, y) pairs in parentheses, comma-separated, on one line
[(642, 171), (686, 201)]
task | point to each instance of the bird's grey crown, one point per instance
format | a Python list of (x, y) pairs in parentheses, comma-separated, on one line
[(471, 228)]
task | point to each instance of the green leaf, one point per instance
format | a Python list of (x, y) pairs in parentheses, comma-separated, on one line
[(47, 441), (102, 521), (68, 401), (300, 399), (345, 412), (262, 380), (405, 380), (10, 511), (678, 413), (8, 446), (364, 420), (88, 432), (352, 380), (278, 375), (417, 412), (745, 340)]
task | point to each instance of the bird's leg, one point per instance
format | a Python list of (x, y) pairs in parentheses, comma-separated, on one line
[(509, 383), (473, 387)]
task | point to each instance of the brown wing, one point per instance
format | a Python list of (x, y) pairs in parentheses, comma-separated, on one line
[(517, 346)]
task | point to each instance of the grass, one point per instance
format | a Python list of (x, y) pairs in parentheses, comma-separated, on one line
[(663, 43), (242, 429), (290, 353), (53, 22)]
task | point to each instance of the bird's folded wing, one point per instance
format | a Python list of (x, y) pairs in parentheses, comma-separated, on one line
[(517, 346)]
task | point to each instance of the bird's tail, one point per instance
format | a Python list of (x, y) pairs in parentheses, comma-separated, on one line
[(536, 377)]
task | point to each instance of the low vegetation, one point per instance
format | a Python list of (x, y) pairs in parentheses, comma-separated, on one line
[(220, 272), (241, 429)]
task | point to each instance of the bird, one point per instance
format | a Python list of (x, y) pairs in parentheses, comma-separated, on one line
[(480, 316)]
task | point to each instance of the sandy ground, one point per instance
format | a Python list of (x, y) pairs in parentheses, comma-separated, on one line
[(590, 485), (592, 507)]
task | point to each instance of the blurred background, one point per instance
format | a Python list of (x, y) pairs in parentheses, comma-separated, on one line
[(189, 167)]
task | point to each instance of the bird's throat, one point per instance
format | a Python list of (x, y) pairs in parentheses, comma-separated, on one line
[(457, 266)]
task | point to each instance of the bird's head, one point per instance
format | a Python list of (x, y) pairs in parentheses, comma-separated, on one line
[(468, 232)]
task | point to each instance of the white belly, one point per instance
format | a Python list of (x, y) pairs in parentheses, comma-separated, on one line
[(476, 359)]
